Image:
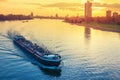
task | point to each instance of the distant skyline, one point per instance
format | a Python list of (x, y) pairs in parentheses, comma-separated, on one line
[(88, 9), (61, 7)]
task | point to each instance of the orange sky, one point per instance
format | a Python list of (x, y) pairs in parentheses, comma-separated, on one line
[(61, 7)]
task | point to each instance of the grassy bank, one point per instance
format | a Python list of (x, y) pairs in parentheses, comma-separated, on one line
[(100, 26)]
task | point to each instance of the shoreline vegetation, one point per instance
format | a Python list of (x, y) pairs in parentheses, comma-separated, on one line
[(11, 17), (105, 24), (101, 26), (111, 24)]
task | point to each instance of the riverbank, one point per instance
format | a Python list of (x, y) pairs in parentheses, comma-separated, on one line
[(12, 17), (100, 26)]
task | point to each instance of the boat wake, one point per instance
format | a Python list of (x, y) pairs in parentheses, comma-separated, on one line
[(12, 34), (49, 67)]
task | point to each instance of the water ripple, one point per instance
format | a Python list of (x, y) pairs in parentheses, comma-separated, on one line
[(93, 58)]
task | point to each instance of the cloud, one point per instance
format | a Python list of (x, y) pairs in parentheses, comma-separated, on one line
[(37, 4), (115, 5), (73, 6), (66, 6), (79, 6), (2, 0), (63, 4), (72, 9)]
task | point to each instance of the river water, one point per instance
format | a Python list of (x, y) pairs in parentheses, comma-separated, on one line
[(87, 54)]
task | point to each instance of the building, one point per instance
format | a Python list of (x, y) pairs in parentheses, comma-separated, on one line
[(31, 14), (56, 15), (115, 14), (88, 9), (108, 13)]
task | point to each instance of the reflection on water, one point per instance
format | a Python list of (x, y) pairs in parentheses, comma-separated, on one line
[(119, 35), (87, 32), (87, 54), (56, 73)]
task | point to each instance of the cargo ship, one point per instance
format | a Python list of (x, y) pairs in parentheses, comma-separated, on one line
[(43, 56)]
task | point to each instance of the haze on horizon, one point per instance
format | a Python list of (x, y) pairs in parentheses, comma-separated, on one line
[(61, 7)]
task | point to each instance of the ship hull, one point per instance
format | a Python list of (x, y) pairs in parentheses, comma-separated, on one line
[(40, 59)]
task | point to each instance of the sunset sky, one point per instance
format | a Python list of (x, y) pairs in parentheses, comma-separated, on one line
[(61, 7)]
